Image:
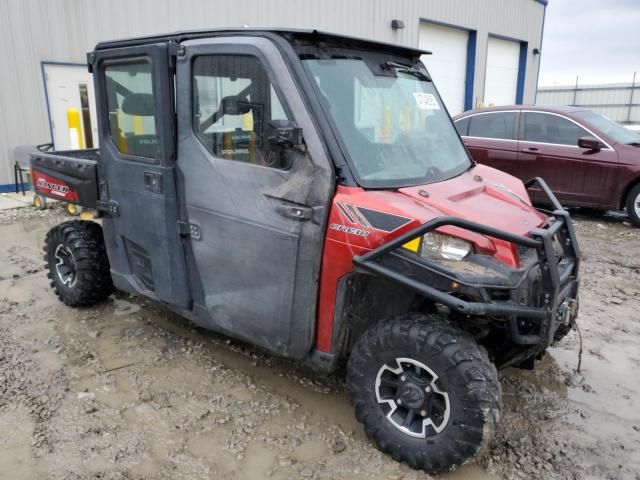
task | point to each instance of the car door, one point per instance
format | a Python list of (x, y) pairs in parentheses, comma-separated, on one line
[(134, 89), (256, 210), (549, 149), (491, 139)]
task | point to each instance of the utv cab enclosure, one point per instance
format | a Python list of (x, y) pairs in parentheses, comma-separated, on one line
[(308, 193)]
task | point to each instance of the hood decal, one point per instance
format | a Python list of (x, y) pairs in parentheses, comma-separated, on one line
[(374, 219)]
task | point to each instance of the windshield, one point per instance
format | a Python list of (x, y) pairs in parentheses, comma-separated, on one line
[(393, 127), (618, 133)]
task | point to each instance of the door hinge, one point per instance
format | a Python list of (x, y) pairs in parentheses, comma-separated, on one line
[(188, 230), (111, 207)]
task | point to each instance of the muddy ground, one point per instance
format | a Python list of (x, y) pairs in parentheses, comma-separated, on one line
[(127, 391)]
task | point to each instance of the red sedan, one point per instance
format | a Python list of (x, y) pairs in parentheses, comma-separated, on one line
[(587, 159)]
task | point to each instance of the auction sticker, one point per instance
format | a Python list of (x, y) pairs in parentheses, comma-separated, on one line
[(426, 101)]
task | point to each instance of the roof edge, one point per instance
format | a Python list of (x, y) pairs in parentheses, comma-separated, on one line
[(181, 36)]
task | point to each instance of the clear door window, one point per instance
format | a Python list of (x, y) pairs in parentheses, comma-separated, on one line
[(234, 102), (493, 125), (132, 122), (545, 128)]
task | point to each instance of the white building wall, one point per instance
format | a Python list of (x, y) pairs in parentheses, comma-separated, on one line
[(32, 31)]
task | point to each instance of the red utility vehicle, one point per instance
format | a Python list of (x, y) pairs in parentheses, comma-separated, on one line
[(587, 159), (309, 194)]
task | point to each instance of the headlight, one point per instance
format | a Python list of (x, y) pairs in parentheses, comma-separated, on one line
[(442, 246)]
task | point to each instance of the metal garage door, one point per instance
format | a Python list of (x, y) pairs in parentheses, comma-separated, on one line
[(448, 63), (501, 80)]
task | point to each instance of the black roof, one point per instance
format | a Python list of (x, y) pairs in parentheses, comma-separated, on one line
[(315, 35)]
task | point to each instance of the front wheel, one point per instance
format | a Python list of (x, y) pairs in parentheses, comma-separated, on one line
[(425, 391), (77, 261), (633, 205)]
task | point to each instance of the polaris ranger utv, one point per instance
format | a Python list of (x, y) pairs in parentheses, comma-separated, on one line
[(308, 193)]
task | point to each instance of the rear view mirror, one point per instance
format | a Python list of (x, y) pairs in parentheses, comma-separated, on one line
[(285, 133), (139, 104), (234, 105), (589, 143)]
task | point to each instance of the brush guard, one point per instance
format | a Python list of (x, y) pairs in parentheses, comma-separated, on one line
[(543, 293)]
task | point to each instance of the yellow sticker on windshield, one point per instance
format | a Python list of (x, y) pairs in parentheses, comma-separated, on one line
[(426, 101)]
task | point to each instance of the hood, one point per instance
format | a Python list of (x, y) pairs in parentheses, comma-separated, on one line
[(483, 195)]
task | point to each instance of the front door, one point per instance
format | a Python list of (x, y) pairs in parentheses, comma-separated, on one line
[(256, 210), (137, 171), (549, 149)]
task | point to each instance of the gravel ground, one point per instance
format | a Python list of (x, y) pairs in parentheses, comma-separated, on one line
[(127, 391)]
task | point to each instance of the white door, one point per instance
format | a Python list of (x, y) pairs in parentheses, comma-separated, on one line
[(501, 79), (71, 86), (448, 62)]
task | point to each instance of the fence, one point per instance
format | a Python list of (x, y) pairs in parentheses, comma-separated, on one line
[(618, 101)]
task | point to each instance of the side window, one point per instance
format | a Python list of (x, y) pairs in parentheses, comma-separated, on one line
[(233, 104), (132, 122), (462, 126), (493, 125), (546, 128)]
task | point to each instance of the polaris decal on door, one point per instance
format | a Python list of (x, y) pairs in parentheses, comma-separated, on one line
[(372, 219)]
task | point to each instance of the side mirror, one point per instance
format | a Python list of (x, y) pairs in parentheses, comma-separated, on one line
[(286, 134), (589, 143)]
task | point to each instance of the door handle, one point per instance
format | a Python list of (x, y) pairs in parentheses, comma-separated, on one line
[(530, 150), (295, 212)]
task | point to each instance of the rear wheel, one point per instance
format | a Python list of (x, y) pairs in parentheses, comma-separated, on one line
[(425, 391), (633, 205), (78, 264)]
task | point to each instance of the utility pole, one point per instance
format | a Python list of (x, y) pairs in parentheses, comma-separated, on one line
[(633, 86)]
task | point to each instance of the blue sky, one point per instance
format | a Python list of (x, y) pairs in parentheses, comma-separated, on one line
[(597, 40)]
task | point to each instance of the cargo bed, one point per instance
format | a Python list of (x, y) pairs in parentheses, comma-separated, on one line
[(67, 175)]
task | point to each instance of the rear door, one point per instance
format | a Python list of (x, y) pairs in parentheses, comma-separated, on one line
[(491, 139), (549, 149), (256, 210), (134, 88)]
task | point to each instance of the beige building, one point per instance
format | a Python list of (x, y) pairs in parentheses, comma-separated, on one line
[(484, 51)]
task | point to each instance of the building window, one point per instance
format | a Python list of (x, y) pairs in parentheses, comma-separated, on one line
[(132, 122)]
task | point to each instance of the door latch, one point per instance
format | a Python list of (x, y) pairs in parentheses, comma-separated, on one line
[(295, 211)]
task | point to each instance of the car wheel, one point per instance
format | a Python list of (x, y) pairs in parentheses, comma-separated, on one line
[(78, 264), (425, 391), (633, 205)]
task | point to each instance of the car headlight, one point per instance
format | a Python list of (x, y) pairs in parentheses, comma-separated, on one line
[(439, 245)]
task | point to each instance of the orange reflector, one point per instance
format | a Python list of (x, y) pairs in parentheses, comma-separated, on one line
[(413, 245)]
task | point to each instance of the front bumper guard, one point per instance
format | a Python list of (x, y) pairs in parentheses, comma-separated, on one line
[(553, 274)]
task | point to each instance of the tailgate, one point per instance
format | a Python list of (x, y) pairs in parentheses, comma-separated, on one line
[(70, 176)]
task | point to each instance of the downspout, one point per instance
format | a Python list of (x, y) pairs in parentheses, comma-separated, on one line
[(544, 15)]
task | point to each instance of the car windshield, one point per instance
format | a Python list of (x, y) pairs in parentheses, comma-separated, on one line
[(392, 125), (618, 133)]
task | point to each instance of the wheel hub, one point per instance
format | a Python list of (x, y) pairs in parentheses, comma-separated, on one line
[(411, 398), (65, 266)]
